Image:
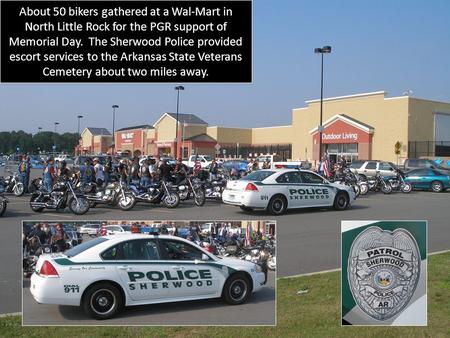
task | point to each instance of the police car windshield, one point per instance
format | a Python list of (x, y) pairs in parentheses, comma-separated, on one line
[(258, 175), (76, 250)]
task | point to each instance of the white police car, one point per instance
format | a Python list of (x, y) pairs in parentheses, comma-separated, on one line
[(107, 273), (279, 190)]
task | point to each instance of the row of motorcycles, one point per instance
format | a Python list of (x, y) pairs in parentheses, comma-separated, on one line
[(261, 253), (362, 185), (79, 197)]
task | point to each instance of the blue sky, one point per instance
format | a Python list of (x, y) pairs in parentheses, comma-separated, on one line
[(377, 45)]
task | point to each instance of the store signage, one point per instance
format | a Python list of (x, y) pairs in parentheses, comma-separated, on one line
[(384, 272), (127, 137), (340, 136), (164, 144)]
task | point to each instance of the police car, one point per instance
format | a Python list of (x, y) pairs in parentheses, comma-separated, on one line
[(279, 190), (107, 273)]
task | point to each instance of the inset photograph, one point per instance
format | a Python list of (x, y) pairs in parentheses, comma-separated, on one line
[(149, 273)]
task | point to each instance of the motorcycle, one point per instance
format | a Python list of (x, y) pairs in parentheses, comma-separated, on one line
[(347, 177), (31, 252), (12, 184), (115, 194), (398, 183), (215, 187), (62, 195), (3, 200), (155, 193), (377, 183), (191, 187)]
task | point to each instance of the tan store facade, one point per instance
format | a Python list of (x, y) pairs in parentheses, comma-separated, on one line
[(360, 126)]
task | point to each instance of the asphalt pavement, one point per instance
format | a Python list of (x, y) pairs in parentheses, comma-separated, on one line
[(308, 240)]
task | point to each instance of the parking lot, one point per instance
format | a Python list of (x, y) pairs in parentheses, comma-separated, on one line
[(308, 240)]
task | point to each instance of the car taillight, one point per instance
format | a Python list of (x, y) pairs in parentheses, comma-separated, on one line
[(47, 269), (251, 187)]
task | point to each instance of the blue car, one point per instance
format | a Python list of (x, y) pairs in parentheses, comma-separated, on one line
[(239, 165), (426, 179)]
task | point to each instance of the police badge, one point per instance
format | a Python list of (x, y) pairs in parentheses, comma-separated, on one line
[(383, 271)]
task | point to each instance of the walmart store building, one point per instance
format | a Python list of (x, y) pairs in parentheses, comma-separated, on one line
[(361, 126)]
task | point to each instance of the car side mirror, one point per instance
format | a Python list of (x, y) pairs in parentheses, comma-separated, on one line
[(205, 257)]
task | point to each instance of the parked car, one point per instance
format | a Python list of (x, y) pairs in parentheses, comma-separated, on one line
[(414, 163), (239, 165), (118, 229), (204, 160), (90, 229), (369, 168), (428, 179)]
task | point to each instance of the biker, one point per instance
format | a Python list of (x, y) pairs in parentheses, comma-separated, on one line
[(107, 169), (48, 174), (48, 233), (134, 171), (213, 170), (250, 165), (24, 172), (39, 233), (164, 171), (87, 172), (255, 165), (266, 165), (180, 171), (197, 166), (99, 172), (63, 171), (59, 238), (145, 173), (122, 169)]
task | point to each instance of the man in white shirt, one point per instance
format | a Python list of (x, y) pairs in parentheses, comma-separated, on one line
[(99, 172)]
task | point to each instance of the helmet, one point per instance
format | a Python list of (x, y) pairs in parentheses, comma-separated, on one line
[(96, 159)]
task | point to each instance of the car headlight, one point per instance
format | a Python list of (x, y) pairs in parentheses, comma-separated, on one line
[(258, 268)]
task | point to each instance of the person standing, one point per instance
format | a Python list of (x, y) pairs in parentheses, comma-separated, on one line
[(99, 172), (145, 173), (107, 169), (49, 174), (59, 238), (24, 172), (213, 170), (87, 172)]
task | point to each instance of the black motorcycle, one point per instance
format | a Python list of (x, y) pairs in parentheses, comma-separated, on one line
[(115, 194), (3, 200), (62, 195), (155, 193), (398, 183), (377, 183), (190, 187), (12, 184), (213, 187)]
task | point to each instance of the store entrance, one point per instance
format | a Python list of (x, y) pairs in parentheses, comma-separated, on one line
[(336, 150)]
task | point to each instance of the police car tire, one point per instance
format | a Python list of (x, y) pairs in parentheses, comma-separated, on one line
[(237, 289), (93, 296), (437, 186), (246, 209), (273, 208), (341, 201)]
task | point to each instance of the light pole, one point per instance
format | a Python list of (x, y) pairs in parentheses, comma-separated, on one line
[(113, 129), (54, 140), (321, 51), (177, 88), (79, 117)]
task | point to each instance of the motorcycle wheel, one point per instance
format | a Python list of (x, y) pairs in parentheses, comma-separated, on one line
[(78, 208), (356, 189), (35, 209), (172, 200), (2, 206), (272, 263), (199, 197), (19, 189), (363, 189), (406, 188), (127, 202), (386, 188)]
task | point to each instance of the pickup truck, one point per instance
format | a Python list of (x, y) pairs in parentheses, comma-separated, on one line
[(205, 160)]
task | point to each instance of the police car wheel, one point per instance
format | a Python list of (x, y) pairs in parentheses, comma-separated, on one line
[(436, 186), (246, 209), (237, 289), (102, 301), (277, 205), (341, 201)]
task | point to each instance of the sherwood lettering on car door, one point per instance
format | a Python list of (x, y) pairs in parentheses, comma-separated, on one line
[(140, 269), (187, 273), (315, 191)]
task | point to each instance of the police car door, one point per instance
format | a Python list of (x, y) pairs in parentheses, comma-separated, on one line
[(188, 275), (139, 268), (290, 185), (316, 191)]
